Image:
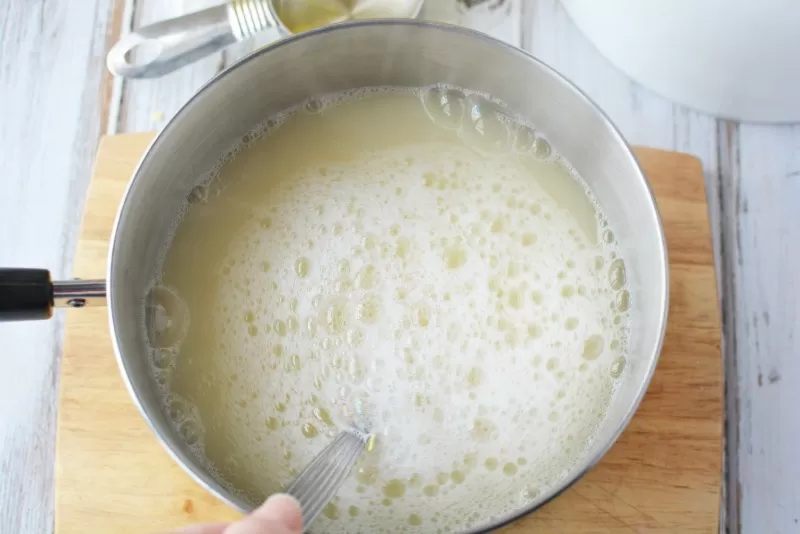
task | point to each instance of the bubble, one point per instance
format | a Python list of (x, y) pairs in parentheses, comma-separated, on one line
[(617, 366), (455, 257), (616, 274), (483, 430), (497, 225), (516, 299), (166, 318), (593, 347), (367, 277), (402, 247), (369, 242), (367, 476), (524, 139), (422, 315), (294, 363), (280, 327), (445, 106), (177, 409), (510, 469), (394, 489), (314, 105), (369, 310), (599, 262), (474, 377), (163, 358), (528, 239), (528, 494), (430, 490), (485, 125), (309, 430), (198, 195), (331, 511), (541, 148), (535, 331), (335, 316), (302, 267), (190, 432), (354, 337), (623, 301)]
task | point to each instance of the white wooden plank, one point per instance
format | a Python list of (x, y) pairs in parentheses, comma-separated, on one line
[(51, 101), (767, 299)]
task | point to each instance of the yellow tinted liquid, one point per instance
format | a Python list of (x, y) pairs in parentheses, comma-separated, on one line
[(416, 262)]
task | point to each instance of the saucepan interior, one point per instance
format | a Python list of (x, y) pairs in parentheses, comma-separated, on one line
[(380, 53)]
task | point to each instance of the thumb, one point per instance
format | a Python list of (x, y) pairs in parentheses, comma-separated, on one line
[(279, 515)]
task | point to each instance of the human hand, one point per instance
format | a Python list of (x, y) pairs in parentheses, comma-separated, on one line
[(280, 514)]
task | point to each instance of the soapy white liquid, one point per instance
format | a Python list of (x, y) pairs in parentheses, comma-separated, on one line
[(414, 261)]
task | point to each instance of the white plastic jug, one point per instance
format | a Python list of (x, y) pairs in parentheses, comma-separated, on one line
[(737, 59)]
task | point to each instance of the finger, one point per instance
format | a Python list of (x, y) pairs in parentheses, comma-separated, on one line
[(203, 528), (282, 508), (279, 515)]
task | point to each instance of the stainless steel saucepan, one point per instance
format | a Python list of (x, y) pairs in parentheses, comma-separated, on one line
[(334, 59)]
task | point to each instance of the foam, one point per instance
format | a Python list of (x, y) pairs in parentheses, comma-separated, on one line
[(445, 281)]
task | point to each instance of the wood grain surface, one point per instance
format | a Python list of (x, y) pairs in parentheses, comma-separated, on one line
[(663, 475)]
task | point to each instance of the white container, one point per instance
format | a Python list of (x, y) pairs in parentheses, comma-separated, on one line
[(738, 59)]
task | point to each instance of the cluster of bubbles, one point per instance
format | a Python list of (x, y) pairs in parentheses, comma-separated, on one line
[(435, 293)]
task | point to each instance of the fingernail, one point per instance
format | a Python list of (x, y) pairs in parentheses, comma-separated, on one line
[(283, 509)]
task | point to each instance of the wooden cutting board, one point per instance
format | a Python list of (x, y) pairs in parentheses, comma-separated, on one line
[(663, 475)]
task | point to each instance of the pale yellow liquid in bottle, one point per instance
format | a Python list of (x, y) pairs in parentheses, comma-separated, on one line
[(413, 261), (302, 15)]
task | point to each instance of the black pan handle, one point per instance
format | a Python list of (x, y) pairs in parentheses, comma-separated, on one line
[(25, 294), (30, 294)]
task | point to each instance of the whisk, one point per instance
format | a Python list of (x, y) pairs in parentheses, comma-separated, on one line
[(317, 484)]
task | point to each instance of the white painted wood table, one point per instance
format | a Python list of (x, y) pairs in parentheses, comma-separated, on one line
[(56, 99)]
